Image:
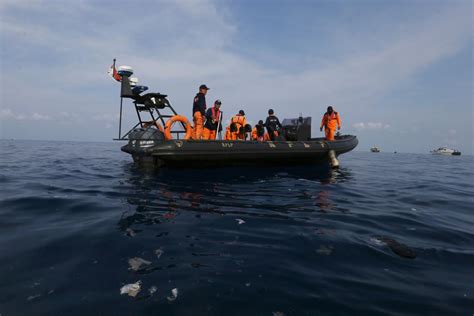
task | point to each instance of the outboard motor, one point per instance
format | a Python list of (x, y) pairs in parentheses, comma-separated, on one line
[(298, 129), (141, 138)]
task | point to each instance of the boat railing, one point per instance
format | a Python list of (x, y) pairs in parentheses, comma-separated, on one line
[(155, 104)]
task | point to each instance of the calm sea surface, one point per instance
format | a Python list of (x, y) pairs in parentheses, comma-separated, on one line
[(79, 221)]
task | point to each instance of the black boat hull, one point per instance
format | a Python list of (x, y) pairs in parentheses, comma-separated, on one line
[(220, 152)]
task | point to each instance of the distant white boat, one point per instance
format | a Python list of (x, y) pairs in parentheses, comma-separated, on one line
[(445, 151), (375, 149)]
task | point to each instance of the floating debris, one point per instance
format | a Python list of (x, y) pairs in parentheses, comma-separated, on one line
[(278, 314), (376, 241), (248, 284), (50, 292), (174, 295), (32, 297), (413, 209), (137, 263), (152, 290), (130, 232), (240, 221), (159, 252), (131, 289), (169, 215), (400, 249), (325, 250)]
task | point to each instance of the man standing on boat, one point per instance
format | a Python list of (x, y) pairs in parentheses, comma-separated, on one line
[(329, 122), (213, 121), (199, 110), (273, 125)]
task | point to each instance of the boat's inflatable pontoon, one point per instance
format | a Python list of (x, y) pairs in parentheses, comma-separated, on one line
[(149, 141)]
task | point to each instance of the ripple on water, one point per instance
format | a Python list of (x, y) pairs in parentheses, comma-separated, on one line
[(263, 241)]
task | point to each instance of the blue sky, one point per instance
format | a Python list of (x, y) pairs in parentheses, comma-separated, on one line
[(399, 72)]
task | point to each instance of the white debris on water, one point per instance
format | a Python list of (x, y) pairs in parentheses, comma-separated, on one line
[(159, 252), (137, 263), (413, 209), (325, 250), (130, 232), (152, 290), (377, 241), (174, 295), (278, 314), (131, 289), (32, 297), (248, 284), (240, 221)]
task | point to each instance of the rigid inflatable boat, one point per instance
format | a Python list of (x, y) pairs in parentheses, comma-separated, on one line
[(150, 142)]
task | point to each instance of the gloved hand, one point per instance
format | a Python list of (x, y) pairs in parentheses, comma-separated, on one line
[(320, 129)]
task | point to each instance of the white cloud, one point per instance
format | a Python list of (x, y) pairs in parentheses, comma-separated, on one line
[(359, 126), (106, 117), (8, 114), (193, 42), (40, 117), (370, 126)]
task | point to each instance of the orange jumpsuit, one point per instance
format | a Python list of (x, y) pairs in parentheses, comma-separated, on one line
[(330, 122), (263, 138), (208, 134), (199, 109), (198, 125), (239, 121), (229, 135), (210, 129)]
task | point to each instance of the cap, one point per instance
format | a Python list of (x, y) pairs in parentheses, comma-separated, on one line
[(241, 112), (203, 86), (218, 102), (260, 122), (270, 111)]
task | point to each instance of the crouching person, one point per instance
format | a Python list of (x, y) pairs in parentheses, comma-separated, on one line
[(258, 132)]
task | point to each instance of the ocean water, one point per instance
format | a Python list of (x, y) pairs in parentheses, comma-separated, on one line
[(79, 221)]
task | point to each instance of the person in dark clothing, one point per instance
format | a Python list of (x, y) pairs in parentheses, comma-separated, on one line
[(273, 125), (213, 119), (199, 111)]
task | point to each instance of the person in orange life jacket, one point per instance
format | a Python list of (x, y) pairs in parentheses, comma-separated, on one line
[(239, 121), (258, 132), (199, 110), (244, 132), (329, 122), (273, 125), (213, 118), (230, 132)]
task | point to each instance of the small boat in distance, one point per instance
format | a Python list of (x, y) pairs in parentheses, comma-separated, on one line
[(375, 149), (446, 151)]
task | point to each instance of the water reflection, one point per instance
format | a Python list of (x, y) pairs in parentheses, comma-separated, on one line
[(161, 195)]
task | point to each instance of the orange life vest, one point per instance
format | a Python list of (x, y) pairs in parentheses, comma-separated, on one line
[(331, 121)]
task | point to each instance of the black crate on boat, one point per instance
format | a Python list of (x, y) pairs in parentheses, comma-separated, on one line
[(297, 129)]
